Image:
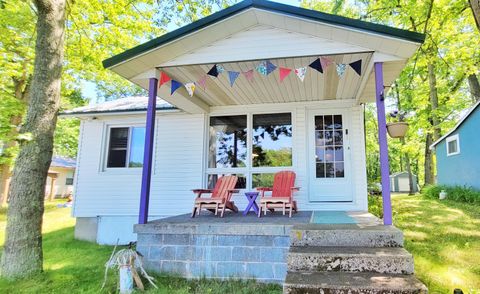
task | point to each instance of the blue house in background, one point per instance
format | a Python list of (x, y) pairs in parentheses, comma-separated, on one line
[(458, 152)]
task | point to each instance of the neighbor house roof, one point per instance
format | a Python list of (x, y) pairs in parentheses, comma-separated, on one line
[(127, 104), (65, 162), (462, 120), (272, 7)]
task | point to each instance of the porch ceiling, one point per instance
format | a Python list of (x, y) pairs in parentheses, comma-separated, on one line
[(269, 89)]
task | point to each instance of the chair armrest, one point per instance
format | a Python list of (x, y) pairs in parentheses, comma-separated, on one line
[(295, 188), (265, 189), (199, 192), (233, 191)]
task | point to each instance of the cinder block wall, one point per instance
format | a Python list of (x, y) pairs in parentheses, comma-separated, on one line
[(193, 255)]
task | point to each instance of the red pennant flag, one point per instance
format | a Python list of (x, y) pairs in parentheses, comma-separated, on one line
[(163, 79), (325, 61), (284, 72)]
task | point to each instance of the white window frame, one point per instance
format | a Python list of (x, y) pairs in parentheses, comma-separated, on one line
[(450, 139), (249, 170), (107, 146)]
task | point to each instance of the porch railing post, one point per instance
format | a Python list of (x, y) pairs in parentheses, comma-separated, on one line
[(148, 151), (382, 142)]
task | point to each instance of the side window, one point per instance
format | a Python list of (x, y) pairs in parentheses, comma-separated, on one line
[(125, 147), (453, 145)]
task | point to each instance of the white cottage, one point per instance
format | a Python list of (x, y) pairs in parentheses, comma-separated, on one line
[(257, 116)]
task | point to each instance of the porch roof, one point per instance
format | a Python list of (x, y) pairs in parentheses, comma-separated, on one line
[(253, 30)]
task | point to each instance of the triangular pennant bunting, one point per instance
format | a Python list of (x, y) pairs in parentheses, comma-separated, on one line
[(357, 66), (248, 75), (300, 72), (220, 69), (325, 61), (341, 69), (163, 79), (190, 88), (202, 82), (232, 76), (284, 72), (213, 71), (317, 65), (175, 85), (266, 67)]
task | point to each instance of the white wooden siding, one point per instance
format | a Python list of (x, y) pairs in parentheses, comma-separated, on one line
[(179, 161)]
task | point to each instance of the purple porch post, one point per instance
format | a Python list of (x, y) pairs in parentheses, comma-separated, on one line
[(382, 142), (148, 151)]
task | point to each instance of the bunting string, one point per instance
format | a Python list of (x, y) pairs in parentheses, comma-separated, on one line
[(264, 68)]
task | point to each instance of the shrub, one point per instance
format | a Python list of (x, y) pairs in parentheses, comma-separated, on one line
[(375, 205), (456, 193)]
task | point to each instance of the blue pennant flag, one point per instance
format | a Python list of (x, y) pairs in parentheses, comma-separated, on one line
[(232, 76), (175, 85)]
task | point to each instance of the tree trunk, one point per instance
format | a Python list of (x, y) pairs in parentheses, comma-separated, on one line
[(474, 86), (428, 161), (432, 82), (22, 254), (475, 5), (408, 168)]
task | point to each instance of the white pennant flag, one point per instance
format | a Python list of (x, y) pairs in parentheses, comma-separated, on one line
[(301, 72), (190, 88)]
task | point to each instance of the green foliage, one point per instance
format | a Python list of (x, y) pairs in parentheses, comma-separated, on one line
[(455, 193), (375, 205)]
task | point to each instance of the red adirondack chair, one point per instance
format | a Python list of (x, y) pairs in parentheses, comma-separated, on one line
[(219, 198), (282, 194)]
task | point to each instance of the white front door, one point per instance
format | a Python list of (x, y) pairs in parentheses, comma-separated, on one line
[(329, 156)]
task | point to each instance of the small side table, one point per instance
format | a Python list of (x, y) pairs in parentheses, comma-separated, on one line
[(251, 197)]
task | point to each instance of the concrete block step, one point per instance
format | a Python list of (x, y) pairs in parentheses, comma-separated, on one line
[(351, 283), (346, 235), (350, 259)]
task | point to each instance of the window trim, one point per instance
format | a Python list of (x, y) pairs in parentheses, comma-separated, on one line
[(451, 139), (249, 170), (107, 146)]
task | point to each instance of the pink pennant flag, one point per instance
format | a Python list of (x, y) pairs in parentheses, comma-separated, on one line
[(325, 61), (202, 82), (284, 72), (248, 75)]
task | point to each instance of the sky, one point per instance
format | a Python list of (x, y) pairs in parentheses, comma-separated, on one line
[(88, 88)]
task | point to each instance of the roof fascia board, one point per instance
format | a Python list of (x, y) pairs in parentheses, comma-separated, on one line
[(269, 6), (114, 112)]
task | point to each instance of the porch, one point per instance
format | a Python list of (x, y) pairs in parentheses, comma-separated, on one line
[(250, 247)]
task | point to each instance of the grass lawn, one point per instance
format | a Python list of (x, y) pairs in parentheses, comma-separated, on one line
[(444, 238), (73, 266)]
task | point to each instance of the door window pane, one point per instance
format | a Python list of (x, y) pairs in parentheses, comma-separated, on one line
[(329, 150), (228, 141), (117, 147), (272, 140), (136, 147)]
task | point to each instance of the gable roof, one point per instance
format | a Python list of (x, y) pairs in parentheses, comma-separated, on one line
[(127, 104), (272, 7), (462, 120)]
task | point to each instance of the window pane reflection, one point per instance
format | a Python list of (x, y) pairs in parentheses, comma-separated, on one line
[(137, 143), (272, 139), (329, 151), (212, 180), (228, 141), (262, 180)]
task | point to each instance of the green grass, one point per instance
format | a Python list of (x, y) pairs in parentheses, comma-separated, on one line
[(73, 266), (444, 238)]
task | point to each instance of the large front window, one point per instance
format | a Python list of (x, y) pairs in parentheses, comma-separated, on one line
[(252, 146)]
